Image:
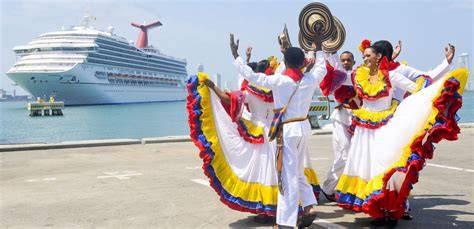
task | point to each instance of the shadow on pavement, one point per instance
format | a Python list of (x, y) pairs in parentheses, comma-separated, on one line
[(249, 223), (428, 211)]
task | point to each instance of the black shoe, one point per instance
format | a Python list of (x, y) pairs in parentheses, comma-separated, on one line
[(330, 198), (263, 219), (391, 222), (378, 221), (407, 216), (306, 221)]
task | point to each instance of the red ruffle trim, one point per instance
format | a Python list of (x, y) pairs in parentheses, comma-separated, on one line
[(243, 132), (266, 97), (234, 109), (446, 127), (332, 80), (193, 126), (345, 95)]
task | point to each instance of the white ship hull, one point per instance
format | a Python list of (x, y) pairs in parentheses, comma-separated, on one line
[(87, 89)]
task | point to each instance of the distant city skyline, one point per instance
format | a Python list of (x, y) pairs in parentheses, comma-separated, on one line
[(199, 30)]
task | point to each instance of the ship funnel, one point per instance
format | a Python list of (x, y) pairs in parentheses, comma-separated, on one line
[(142, 41)]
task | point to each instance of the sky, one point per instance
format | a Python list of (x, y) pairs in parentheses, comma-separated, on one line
[(199, 30)]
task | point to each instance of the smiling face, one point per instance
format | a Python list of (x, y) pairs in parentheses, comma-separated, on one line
[(347, 60), (371, 58)]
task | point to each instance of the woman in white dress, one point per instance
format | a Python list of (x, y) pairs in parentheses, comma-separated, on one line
[(391, 139)]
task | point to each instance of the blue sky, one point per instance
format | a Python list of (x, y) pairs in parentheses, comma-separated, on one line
[(199, 30)]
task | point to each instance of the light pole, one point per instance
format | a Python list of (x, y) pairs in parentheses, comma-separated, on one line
[(463, 62), (218, 80)]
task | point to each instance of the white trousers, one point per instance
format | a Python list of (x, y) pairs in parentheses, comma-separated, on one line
[(341, 142), (295, 185)]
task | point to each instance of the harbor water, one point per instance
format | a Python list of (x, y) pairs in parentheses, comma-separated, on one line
[(114, 121)]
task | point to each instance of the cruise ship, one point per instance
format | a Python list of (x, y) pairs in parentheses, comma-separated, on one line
[(85, 66)]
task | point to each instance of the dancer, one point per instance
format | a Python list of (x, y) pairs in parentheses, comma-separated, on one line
[(392, 140), (341, 120), (230, 129), (342, 115), (292, 91)]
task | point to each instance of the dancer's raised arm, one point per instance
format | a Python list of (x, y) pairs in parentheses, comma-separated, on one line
[(259, 79), (436, 73), (221, 94)]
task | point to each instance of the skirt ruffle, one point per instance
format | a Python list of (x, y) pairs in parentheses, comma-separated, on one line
[(387, 192), (242, 173)]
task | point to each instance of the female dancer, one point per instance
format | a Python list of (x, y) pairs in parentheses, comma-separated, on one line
[(392, 140), (230, 129)]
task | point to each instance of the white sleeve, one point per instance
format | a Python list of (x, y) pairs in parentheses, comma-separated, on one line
[(319, 70), (246, 96), (259, 79), (334, 61), (402, 82), (441, 70), (348, 81), (436, 73), (240, 81)]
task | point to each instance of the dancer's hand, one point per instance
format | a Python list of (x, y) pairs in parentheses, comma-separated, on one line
[(397, 50), (209, 83), (283, 46), (317, 42), (234, 46), (317, 45), (248, 53), (449, 51), (309, 64)]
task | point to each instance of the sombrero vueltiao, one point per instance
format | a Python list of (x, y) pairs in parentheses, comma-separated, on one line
[(333, 32), (284, 39)]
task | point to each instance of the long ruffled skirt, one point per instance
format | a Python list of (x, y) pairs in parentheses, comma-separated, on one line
[(384, 163), (241, 171)]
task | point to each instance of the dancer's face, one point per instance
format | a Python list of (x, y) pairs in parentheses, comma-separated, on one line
[(347, 61), (371, 58)]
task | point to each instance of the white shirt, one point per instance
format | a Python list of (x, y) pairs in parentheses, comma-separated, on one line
[(283, 86)]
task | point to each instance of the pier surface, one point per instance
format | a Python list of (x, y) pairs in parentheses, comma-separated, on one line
[(162, 186)]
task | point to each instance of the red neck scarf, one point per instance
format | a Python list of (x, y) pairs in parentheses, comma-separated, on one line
[(294, 73)]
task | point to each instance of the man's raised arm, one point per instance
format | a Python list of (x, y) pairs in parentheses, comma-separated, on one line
[(245, 71)]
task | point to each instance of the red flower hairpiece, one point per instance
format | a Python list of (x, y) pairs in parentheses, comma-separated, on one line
[(363, 45)]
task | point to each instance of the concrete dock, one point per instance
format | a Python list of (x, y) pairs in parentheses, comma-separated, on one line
[(162, 186)]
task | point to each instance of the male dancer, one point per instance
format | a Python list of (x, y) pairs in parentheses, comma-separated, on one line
[(341, 139), (296, 129)]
